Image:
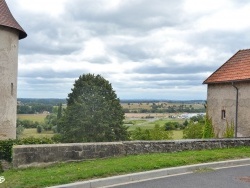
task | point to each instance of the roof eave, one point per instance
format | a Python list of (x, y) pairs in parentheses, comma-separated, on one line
[(226, 81)]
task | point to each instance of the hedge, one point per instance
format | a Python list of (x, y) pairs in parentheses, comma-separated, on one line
[(7, 145)]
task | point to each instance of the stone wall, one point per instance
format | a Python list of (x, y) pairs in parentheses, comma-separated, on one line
[(223, 97), (34, 155), (8, 82)]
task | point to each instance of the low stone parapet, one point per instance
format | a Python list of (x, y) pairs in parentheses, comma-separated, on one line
[(35, 155)]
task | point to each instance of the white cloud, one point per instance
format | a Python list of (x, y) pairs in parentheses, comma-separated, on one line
[(146, 49)]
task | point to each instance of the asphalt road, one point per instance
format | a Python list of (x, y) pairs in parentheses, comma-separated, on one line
[(233, 177)]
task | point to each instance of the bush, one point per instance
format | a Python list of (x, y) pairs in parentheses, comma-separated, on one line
[(19, 130), (193, 131), (6, 149), (173, 125), (157, 133), (139, 134), (39, 128), (57, 138), (27, 123)]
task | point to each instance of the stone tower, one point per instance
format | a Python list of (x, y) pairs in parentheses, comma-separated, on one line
[(10, 34)]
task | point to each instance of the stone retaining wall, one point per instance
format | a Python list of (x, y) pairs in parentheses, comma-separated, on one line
[(33, 155)]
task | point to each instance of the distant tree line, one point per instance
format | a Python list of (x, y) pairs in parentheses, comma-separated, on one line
[(34, 108), (169, 109), (51, 101)]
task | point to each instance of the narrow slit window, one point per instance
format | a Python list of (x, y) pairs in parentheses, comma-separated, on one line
[(12, 89), (223, 114)]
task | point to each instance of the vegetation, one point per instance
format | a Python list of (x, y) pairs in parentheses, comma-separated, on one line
[(6, 145), (162, 107), (229, 132), (194, 130), (33, 108), (78, 171), (93, 113), (32, 117), (157, 133), (208, 130)]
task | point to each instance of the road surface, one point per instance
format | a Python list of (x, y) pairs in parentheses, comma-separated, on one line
[(232, 177)]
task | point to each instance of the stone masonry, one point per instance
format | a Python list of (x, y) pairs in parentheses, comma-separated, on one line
[(35, 155)]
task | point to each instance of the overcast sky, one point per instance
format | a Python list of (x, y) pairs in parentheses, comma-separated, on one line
[(160, 49)]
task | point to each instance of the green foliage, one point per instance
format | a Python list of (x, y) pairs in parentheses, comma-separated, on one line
[(32, 140), (6, 149), (208, 131), (19, 130), (57, 138), (7, 145), (59, 111), (93, 113), (139, 134), (194, 130), (157, 133), (27, 123), (199, 118), (229, 132), (33, 108), (39, 129), (185, 123), (173, 125)]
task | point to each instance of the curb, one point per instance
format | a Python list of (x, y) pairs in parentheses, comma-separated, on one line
[(153, 174)]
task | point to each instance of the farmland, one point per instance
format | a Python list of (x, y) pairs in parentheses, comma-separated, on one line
[(133, 116), (131, 120)]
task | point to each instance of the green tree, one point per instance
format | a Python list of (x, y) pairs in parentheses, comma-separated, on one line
[(159, 133), (93, 113), (140, 134), (193, 130), (172, 125), (59, 111)]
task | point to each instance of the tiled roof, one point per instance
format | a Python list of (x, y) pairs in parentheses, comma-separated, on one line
[(237, 68), (6, 19)]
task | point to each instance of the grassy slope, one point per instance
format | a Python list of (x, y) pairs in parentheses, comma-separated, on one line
[(33, 133), (78, 171), (32, 117)]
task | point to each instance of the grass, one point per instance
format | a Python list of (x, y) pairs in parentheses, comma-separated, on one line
[(32, 117), (33, 133), (178, 135), (78, 171)]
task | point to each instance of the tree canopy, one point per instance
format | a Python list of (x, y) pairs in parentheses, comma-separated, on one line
[(93, 113)]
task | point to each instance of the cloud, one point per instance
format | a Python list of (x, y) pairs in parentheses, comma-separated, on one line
[(146, 49)]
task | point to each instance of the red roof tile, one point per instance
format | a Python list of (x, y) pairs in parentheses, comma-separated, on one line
[(6, 19), (237, 68)]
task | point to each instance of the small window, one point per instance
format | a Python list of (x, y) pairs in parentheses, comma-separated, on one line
[(12, 88), (223, 114)]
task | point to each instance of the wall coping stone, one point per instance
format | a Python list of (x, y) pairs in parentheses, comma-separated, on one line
[(42, 154)]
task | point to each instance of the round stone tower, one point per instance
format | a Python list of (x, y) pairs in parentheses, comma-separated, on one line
[(10, 34)]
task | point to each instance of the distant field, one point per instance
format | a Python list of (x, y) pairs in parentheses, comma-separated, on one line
[(150, 123), (144, 115), (136, 106), (32, 117), (132, 120), (33, 133)]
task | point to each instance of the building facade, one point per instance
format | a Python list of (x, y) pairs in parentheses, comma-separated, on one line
[(10, 34), (228, 95)]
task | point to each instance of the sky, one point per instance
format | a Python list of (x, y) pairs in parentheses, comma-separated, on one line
[(161, 49)]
